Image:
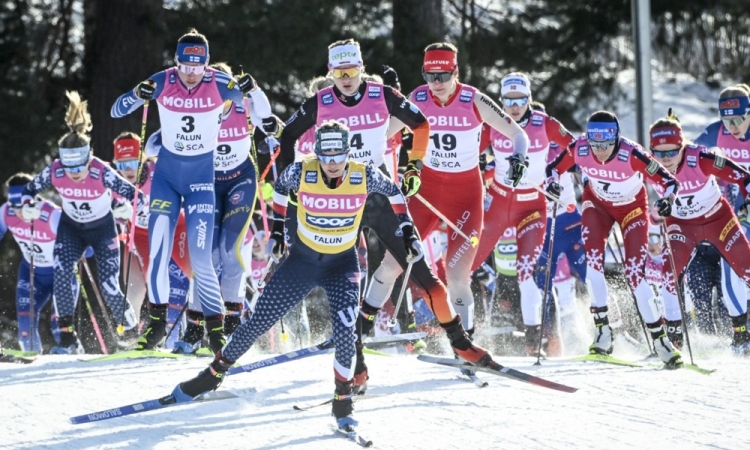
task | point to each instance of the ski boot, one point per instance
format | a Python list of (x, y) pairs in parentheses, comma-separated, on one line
[(462, 345), (467, 372), (215, 333), (674, 333), (69, 343), (156, 332), (208, 380), (603, 334), (342, 406), (741, 339), (663, 347), (193, 336)]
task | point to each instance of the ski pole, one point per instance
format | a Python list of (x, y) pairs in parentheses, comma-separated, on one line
[(665, 236), (31, 286), (94, 323), (179, 317), (131, 231), (547, 280), (473, 240), (404, 284), (98, 295)]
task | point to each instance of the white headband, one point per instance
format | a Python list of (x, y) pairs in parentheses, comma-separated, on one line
[(515, 83), (344, 55)]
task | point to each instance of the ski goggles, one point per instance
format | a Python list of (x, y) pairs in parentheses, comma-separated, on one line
[(443, 77), (654, 239), (333, 159), (187, 70), (350, 72), (733, 122), (127, 165), (601, 145), (659, 154), (519, 101), (76, 169)]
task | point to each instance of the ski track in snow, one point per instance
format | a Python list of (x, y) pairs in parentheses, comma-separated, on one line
[(428, 407)]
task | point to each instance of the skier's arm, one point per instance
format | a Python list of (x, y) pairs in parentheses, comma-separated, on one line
[(117, 183), (564, 161), (557, 133), (288, 181), (41, 181), (378, 183), (129, 102), (302, 120), (405, 112), (491, 114), (710, 136), (725, 169)]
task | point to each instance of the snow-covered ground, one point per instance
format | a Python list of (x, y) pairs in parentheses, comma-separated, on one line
[(426, 406)]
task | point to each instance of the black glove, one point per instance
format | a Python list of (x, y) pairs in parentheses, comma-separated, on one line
[(246, 83), (411, 182), (145, 90), (554, 189), (276, 244), (271, 127), (664, 206), (517, 169), (482, 162), (390, 77), (411, 243)]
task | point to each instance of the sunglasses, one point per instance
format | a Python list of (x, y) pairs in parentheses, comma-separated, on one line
[(76, 169), (351, 72), (127, 165), (520, 101), (335, 159), (601, 145), (187, 70), (735, 122), (443, 77), (665, 153)]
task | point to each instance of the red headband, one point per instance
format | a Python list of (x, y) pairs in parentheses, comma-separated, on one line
[(128, 148), (443, 60), (666, 135)]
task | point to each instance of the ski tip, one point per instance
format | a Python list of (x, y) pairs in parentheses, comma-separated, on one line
[(297, 408)]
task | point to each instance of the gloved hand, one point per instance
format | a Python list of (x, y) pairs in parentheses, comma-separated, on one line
[(390, 77), (517, 169), (411, 182), (145, 90), (271, 127), (554, 189), (482, 162), (276, 245), (664, 206), (30, 211), (123, 211), (247, 83), (411, 242)]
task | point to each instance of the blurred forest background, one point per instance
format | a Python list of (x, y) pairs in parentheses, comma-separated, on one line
[(572, 49)]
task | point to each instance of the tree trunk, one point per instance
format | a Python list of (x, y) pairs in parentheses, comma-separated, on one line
[(416, 24), (125, 44)]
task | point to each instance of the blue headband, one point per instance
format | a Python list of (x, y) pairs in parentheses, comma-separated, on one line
[(601, 131), (734, 106), (192, 53), (15, 194)]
